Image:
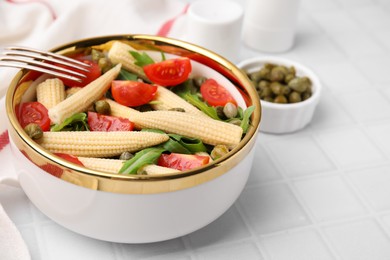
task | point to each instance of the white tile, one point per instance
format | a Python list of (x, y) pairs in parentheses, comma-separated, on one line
[(60, 243), (299, 156), (247, 251), (359, 240), (328, 198), (271, 208), (329, 113), (350, 147), (383, 36), (319, 5), (140, 251), (297, 245), (335, 21), (372, 16), (355, 103), (379, 133), (229, 227), (354, 45), (263, 169), (341, 77), (386, 221), (374, 184), (375, 67)]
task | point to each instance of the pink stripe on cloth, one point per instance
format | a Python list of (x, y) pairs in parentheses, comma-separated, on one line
[(47, 5), (166, 27), (4, 139)]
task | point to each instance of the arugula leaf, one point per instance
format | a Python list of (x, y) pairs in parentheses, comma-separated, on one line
[(246, 118), (141, 158), (142, 59), (76, 122), (186, 90), (126, 75)]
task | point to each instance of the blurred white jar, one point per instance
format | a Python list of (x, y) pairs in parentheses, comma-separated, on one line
[(269, 25), (216, 25)]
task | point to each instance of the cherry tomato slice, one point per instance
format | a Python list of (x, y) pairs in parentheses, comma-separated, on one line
[(132, 93), (215, 94), (94, 73), (69, 158), (182, 162), (98, 122), (169, 72), (33, 112)]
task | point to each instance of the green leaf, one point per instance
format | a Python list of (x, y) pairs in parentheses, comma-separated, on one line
[(246, 118), (142, 59), (126, 75), (76, 122), (141, 158), (193, 145), (186, 90)]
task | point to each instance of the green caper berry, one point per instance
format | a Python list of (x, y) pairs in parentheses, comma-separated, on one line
[(263, 84), (126, 156), (198, 81), (266, 92), (34, 131), (269, 66), (235, 121), (178, 109), (281, 99), (306, 95), (277, 88), (278, 73), (268, 99), (292, 71), (288, 78), (294, 97), (230, 110), (219, 151), (286, 90), (298, 84), (265, 73), (102, 107), (255, 76)]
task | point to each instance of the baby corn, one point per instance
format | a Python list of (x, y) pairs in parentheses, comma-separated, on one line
[(156, 169), (84, 98), (119, 110), (99, 144), (102, 164), (166, 100), (208, 130), (120, 53), (51, 92)]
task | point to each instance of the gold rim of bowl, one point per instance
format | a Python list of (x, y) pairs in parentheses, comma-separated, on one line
[(138, 184)]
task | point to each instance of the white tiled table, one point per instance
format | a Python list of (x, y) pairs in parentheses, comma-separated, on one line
[(321, 193)]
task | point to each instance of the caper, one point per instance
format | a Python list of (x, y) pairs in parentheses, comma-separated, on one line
[(265, 73), (178, 109), (306, 95), (292, 71), (34, 131), (235, 121), (104, 64), (219, 151), (96, 55), (230, 110), (278, 73), (268, 99), (263, 84), (198, 81), (220, 112), (281, 99), (299, 84), (277, 88), (269, 66), (255, 76), (266, 92), (286, 90), (294, 97), (102, 107), (126, 156), (289, 77)]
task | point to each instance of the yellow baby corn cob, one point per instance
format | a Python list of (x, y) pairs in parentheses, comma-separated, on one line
[(208, 130), (51, 92), (168, 100), (120, 110), (71, 91), (156, 169), (84, 98), (99, 144), (120, 53), (102, 164)]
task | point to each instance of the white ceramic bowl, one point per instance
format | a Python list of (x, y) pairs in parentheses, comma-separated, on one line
[(134, 208), (285, 118)]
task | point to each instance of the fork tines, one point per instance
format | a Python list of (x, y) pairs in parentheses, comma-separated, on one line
[(42, 61)]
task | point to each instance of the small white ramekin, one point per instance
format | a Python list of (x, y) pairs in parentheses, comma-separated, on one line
[(285, 118)]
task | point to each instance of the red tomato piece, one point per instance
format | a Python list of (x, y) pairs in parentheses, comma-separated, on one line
[(215, 94), (98, 122), (94, 73), (69, 158), (33, 112), (182, 162), (169, 72), (132, 93)]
